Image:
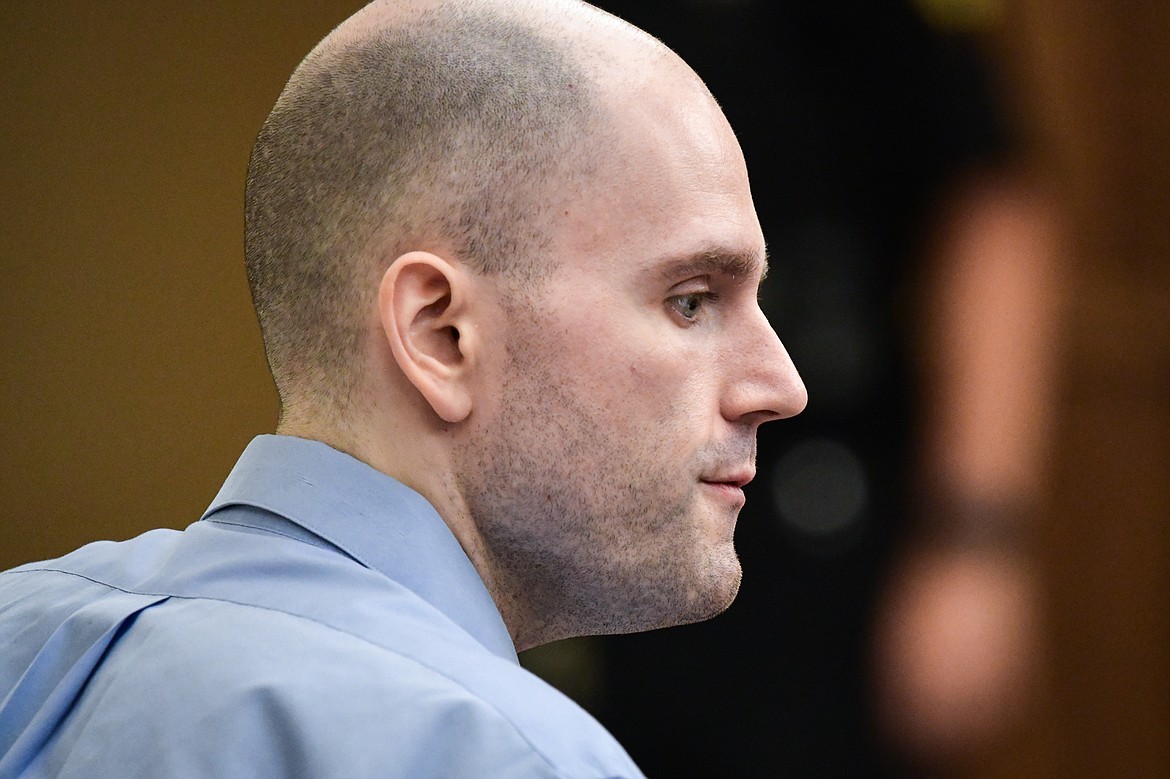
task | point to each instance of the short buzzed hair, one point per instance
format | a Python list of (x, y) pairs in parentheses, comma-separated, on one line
[(455, 128)]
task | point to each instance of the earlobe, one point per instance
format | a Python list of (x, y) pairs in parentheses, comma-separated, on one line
[(422, 302)]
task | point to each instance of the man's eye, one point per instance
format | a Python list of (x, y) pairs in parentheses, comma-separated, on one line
[(690, 307)]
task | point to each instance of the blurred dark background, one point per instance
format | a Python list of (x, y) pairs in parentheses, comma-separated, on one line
[(133, 372)]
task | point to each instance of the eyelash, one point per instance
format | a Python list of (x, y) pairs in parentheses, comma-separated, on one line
[(703, 298)]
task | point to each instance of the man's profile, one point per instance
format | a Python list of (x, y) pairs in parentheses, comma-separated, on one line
[(505, 261)]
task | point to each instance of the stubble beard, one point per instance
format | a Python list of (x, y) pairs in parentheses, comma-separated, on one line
[(590, 528)]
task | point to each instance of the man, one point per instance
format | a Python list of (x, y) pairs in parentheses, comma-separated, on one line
[(505, 262)]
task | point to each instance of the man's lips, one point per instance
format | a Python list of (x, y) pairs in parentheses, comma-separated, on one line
[(729, 486), (731, 479)]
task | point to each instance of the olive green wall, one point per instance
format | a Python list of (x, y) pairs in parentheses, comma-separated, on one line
[(132, 370)]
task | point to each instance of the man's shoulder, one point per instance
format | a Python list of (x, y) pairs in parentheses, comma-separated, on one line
[(436, 703), (429, 695), (300, 649)]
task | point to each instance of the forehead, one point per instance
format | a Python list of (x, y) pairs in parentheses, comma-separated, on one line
[(671, 188)]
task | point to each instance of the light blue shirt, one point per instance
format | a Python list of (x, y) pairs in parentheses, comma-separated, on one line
[(319, 621)]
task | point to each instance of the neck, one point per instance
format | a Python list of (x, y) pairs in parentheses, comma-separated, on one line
[(401, 454)]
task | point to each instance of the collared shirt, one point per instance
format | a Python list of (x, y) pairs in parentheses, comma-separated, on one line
[(319, 621)]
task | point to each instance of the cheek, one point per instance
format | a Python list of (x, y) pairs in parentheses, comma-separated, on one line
[(663, 390), (635, 371)]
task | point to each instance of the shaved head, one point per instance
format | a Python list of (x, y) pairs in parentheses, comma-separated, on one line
[(505, 251), (436, 125)]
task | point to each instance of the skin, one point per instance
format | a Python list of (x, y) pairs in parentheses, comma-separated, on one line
[(586, 436)]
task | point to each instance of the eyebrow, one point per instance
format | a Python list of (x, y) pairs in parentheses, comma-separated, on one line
[(734, 264)]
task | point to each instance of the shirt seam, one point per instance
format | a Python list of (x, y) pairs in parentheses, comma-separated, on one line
[(539, 752)]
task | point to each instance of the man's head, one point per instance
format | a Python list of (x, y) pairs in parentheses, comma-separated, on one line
[(507, 253), (414, 124)]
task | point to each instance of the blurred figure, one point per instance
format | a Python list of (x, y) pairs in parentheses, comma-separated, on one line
[(957, 641)]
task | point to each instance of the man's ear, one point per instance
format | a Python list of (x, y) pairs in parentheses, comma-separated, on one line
[(422, 301)]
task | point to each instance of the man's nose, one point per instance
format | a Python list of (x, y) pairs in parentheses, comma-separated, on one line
[(764, 384)]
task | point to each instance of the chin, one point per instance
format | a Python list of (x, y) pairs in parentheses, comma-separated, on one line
[(725, 596), (715, 590), (708, 593)]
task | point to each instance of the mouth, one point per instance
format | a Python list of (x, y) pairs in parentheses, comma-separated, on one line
[(728, 486), (737, 478)]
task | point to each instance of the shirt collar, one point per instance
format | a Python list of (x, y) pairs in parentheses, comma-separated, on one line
[(373, 518)]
